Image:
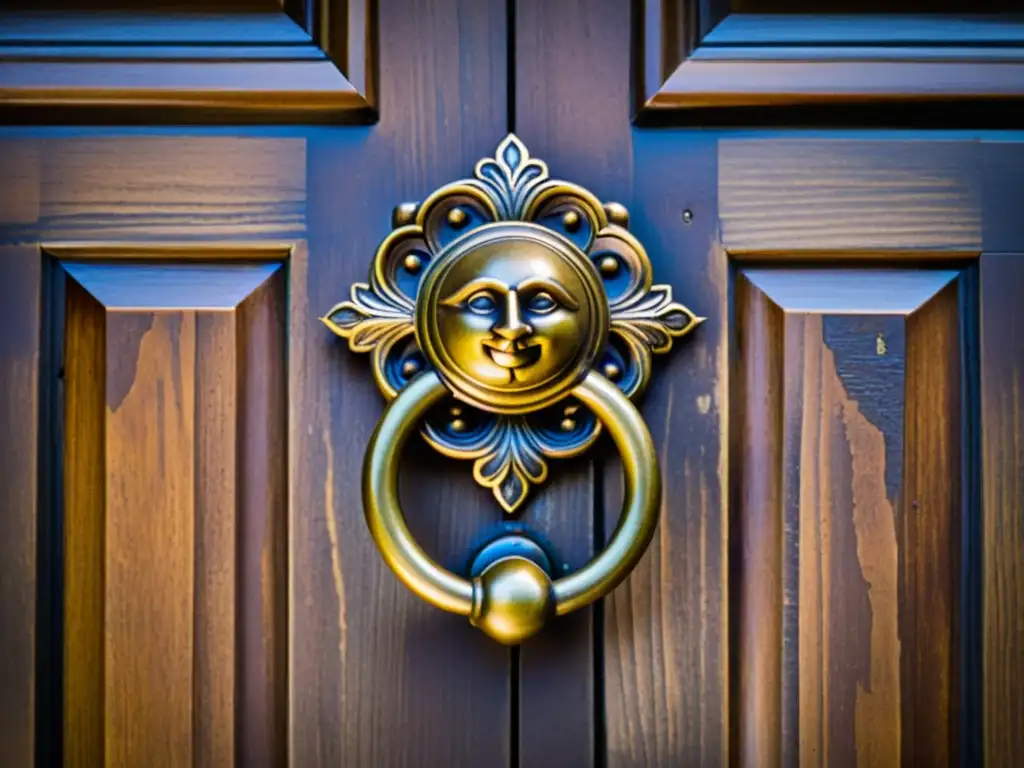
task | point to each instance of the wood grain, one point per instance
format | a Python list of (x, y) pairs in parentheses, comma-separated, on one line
[(149, 517), (20, 290), (376, 676), (846, 498), (559, 45), (758, 487), (666, 655), (262, 529), (137, 188), (216, 537), (1002, 424), (84, 495), (785, 194), (175, 527), (662, 661)]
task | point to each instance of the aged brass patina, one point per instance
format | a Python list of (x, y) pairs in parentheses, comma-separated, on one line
[(511, 317)]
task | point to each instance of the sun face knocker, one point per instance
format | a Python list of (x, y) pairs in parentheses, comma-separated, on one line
[(511, 317)]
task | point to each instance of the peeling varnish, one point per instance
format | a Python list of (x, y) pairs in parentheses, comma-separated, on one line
[(332, 534), (878, 706), (877, 709)]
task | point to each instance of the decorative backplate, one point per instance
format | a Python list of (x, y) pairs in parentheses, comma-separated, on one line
[(511, 286)]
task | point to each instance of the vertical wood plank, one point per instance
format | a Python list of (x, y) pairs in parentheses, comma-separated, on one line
[(666, 654), (20, 290), (85, 486), (149, 587), (1002, 415), (931, 513), (758, 485), (376, 676), (662, 660), (583, 135), (262, 526), (216, 505)]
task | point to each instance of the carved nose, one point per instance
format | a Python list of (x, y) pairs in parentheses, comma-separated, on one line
[(513, 328)]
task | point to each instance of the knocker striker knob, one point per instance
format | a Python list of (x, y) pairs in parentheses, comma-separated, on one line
[(500, 332)]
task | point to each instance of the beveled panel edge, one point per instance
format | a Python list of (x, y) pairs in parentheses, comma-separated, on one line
[(846, 291), (858, 256), (194, 81), (191, 251), (674, 73), (162, 286), (96, 267)]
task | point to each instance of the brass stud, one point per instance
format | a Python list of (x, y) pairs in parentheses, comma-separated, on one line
[(571, 221), (617, 214), (457, 217), (412, 263), (404, 214), (410, 368), (457, 425), (568, 425), (611, 371), (609, 265)]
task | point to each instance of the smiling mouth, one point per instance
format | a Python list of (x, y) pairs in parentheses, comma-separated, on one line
[(507, 355)]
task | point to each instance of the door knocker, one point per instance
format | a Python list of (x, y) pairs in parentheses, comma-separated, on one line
[(511, 317)]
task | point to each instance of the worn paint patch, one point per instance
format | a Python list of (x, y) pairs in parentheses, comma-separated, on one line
[(876, 381), (332, 534), (703, 404), (878, 703), (849, 653)]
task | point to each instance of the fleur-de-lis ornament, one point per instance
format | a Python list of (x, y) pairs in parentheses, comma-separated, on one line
[(510, 450)]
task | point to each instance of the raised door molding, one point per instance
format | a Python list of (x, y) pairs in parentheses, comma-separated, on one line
[(172, 402), (312, 61), (697, 54)]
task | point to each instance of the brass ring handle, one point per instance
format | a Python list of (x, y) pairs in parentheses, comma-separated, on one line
[(513, 597), (511, 317)]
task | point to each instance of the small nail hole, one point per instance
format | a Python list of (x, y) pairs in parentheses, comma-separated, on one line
[(687, 216)]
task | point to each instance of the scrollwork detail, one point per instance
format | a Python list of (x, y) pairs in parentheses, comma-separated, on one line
[(510, 451)]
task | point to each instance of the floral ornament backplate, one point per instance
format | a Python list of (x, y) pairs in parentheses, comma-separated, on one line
[(510, 452)]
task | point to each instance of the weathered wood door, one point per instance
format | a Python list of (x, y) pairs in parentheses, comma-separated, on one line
[(185, 575)]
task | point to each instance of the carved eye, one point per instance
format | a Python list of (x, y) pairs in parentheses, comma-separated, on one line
[(482, 303), (542, 303)]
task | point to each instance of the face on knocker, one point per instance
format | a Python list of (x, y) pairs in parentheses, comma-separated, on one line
[(516, 315)]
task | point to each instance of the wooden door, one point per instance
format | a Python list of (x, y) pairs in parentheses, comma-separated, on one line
[(185, 575)]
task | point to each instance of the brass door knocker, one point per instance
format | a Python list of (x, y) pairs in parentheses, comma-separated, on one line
[(511, 317)]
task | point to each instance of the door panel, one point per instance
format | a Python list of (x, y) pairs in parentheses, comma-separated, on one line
[(846, 497), (174, 515)]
